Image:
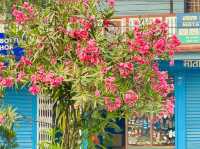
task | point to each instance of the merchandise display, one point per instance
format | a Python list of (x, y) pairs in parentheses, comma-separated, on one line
[(163, 130)]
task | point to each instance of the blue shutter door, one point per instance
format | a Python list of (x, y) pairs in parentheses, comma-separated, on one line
[(192, 116), (26, 127)]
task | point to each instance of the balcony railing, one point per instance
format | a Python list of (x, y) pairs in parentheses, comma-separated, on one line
[(121, 24), (128, 21)]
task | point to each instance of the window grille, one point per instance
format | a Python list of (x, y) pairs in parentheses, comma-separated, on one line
[(193, 6), (45, 117)]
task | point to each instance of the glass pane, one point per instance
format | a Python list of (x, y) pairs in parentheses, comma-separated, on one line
[(164, 130), (164, 123), (139, 130), (156, 130)]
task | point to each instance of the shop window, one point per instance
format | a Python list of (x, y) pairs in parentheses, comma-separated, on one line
[(153, 130), (192, 6)]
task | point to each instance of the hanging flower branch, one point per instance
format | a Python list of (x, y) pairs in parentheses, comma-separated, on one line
[(69, 56)]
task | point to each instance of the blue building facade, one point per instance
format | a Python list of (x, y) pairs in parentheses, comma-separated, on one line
[(26, 127), (186, 74)]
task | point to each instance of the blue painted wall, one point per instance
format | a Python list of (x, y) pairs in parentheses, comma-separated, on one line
[(26, 127), (187, 93), (141, 7)]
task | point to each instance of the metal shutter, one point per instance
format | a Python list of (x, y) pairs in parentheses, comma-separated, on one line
[(192, 87), (26, 127)]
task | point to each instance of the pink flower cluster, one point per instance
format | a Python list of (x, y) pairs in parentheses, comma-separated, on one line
[(34, 89), (2, 66), (125, 69), (140, 45), (90, 54), (167, 107), (47, 78), (24, 61), (112, 106), (170, 106), (159, 82), (86, 3), (111, 3), (2, 119), (7, 82), (110, 84), (20, 76), (20, 16), (139, 59), (80, 33), (154, 41), (130, 98), (160, 46)]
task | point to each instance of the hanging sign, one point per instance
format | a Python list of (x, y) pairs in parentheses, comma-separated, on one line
[(188, 27), (8, 45)]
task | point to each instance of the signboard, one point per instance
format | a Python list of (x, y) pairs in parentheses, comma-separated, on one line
[(192, 63), (188, 27), (10, 45)]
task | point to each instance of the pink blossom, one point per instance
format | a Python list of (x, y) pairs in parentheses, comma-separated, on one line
[(157, 21), (106, 23), (34, 79), (112, 106), (28, 7), (2, 119), (20, 76), (7, 82), (79, 34), (144, 49), (90, 54), (171, 63), (130, 98), (155, 67), (87, 26), (175, 41), (136, 23), (53, 61), (34, 89), (160, 84), (110, 84), (125, 69), (160, 45), (25, 61), (139, 59), (97, 93), (105, 70), (117, 102), (57, 81), (111, 3), (2, 66), (171, 53), (85, 3), (20, 17)]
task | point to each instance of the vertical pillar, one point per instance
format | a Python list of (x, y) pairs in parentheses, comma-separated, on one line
[(171, 6), (180, 111)]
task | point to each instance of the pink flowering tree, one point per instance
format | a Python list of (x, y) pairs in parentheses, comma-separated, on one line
[(92, 78)]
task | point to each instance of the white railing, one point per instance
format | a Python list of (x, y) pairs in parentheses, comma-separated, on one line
[(45, 117)]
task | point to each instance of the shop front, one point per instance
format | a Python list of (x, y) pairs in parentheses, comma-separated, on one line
[(179, 129)]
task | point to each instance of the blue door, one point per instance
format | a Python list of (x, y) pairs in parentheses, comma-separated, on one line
[(192, 113), (26, 127), (187, 89)]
